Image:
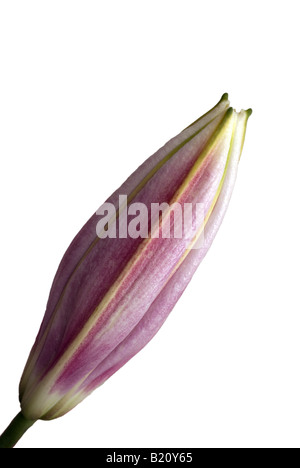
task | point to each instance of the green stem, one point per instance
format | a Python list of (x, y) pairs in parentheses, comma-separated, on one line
[(15, 431)]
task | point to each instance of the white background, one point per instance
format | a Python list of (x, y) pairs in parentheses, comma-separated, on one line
[(88, 90)]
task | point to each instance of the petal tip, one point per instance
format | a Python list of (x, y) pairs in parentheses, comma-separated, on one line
[(229, 112), (224, 97)]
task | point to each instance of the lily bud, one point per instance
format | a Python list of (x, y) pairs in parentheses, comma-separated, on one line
[(113, 291)]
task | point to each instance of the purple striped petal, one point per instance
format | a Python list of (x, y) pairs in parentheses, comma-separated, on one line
[(110, 296)]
